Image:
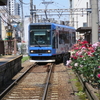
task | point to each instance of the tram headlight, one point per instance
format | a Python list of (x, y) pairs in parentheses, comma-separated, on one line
[(48, 51), (31, 51)]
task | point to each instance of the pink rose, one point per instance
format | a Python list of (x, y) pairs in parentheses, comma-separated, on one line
[(98, 75), (98, 66)]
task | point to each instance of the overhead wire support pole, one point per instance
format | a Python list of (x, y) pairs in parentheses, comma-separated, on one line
[(62, 10), (87, 15), (31, 11), (94, 5), (22, 36)]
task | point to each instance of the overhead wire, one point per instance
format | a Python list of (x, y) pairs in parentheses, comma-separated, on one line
[(5, 21), (78, 3), (58, 4), (8, 12), (24, 3), (12, 16)]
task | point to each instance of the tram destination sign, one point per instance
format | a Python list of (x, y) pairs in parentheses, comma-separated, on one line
[(40, 27)]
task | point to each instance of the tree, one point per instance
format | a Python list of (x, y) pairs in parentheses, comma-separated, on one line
[(3, 2)]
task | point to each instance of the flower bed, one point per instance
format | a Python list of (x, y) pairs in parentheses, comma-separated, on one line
[(85, 60)]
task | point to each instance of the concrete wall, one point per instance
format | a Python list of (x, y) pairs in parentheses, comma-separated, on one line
[(9, 69)]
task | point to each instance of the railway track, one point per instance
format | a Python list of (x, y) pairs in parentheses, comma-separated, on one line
[(22, 87), (41, 82), (91, 93), (45, 82), (15, 82)]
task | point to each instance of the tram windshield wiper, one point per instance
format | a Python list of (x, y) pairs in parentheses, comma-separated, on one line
[(37, 43)]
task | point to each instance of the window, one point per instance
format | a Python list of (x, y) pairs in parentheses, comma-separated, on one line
[(63, 37), (41, 37), (84, 24)]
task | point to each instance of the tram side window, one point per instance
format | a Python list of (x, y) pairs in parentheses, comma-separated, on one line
[(56, 41), (73, 37), (61, 37), (64, 37), (31, 38), (53, 42), (67, 37)]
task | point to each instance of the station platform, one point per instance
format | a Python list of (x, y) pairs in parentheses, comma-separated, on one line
[(10, 65), (8, 58)]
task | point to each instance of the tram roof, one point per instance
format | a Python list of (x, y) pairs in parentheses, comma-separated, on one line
[(64, 26)]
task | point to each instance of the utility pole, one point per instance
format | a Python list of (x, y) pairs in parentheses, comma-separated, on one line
[(35, 13), (0, 28), (22, 35), (87, 16), (71, 17), (31, 12), (9, 28), (94, 5)]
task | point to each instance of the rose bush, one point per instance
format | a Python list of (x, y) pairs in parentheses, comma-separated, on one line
[(85, 60)]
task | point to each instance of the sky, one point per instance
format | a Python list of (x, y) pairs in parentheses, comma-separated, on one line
[(58, 4)]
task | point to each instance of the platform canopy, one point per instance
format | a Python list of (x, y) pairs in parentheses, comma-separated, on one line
[(3, 2), (84, 29)]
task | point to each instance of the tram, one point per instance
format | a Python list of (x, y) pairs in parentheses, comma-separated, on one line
[(49, 42)]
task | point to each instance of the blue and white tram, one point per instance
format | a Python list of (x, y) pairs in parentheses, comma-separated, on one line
[(49, 42)]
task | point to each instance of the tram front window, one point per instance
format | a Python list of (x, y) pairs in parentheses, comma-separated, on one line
[(40, 38)]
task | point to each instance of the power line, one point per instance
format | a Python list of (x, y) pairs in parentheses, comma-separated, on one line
[(10, 16), (78, 3), (13, 17), (5, 21), (24, 3), (59, 4)]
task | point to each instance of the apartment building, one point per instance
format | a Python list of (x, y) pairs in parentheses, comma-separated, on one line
[(79, 18), (17, 12), (11, 7), (14, 7)]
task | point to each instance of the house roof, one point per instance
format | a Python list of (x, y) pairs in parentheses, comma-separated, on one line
[(83, 29)]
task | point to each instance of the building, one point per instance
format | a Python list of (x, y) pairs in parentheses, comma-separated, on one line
[(17, 12), (13, 7), (80, 18)]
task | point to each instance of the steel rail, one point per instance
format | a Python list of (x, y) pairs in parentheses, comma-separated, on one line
[(89, 92), (47, 83), (11, 85)]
